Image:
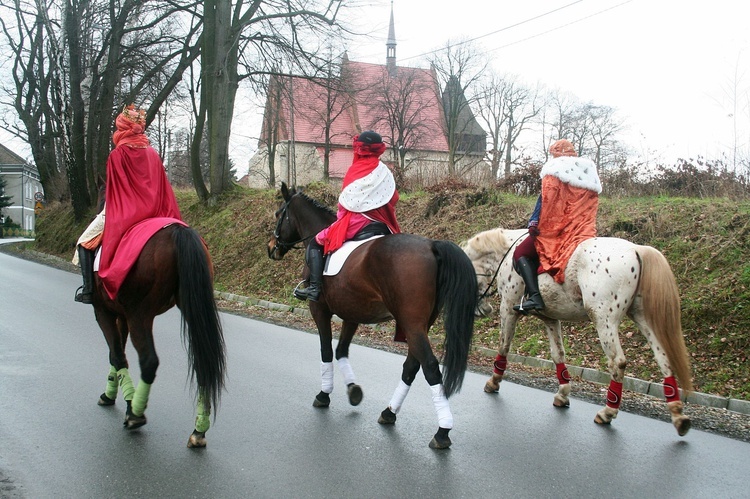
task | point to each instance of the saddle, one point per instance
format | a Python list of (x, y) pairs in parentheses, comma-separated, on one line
[(336, 260)]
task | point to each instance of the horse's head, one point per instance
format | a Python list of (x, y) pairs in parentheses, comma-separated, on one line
[(484, 271), (298, 219), (488, 251), (285, 234)]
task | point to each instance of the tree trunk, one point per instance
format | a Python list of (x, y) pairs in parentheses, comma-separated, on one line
[(219, 61), (76, 163)]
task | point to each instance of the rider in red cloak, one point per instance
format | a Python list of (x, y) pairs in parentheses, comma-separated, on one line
[(367, 201), (139, 199)]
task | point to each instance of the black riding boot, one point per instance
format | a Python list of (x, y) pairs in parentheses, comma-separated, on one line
[(533, 299), (314, 258), (85, 293)]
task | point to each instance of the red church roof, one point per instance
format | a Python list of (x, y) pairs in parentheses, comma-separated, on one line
[(355, 107)]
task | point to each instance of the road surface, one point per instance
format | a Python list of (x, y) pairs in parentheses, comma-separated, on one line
[(268, 440)]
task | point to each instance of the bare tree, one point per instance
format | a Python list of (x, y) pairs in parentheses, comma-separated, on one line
[(270, 136), (507, 107), (91, 58), (604, 125), (261, 32), (458, 68), (35, 90), (558, 120), (522, 105), (491, 105), (401, 97), (331, 99)]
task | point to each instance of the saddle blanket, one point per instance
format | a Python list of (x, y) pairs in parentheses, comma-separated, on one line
[(336, 260)]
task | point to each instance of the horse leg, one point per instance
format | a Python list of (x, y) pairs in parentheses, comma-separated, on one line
[(680, 421), (419, 347), (557, 353), (323, 321), (610, 341), (115, 333), (353, 390), (142, 337), (202, 422), (508, 320), (409, 372)]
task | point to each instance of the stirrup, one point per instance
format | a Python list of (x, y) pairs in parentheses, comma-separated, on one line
[(306, 293), (82, 297), (525, 311)]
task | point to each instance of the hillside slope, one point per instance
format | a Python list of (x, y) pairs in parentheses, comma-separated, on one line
[(705, 241)]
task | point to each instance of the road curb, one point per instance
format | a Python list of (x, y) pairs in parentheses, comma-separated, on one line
[(650, 388)]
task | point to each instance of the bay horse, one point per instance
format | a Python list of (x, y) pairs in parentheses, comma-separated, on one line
[(398, 276), (606, 279), (174, 267)]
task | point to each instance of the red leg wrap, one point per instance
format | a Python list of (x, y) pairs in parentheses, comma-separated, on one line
[(501, 363), (563, 377), (671, 393), (614, 394)]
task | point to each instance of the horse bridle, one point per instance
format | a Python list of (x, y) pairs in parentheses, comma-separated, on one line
[(497, 270), (282, 245)]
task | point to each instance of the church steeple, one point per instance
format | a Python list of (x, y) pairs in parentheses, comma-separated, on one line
[(390, 56)]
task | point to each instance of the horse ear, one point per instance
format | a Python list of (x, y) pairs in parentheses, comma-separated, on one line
[(284, 191)]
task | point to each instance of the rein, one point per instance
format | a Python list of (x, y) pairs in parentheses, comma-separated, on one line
[(494, 276)]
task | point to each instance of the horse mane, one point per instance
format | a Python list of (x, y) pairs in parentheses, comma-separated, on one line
[(316, 204), (491, 241)]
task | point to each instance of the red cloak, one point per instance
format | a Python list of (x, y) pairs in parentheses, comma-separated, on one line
[(137, 189)]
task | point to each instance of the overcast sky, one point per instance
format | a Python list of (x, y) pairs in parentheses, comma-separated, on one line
[(667, 66)]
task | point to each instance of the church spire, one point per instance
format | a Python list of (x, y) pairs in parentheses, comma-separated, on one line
[(390, 56)]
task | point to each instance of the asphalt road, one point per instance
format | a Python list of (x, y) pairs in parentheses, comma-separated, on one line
[(268, 440)]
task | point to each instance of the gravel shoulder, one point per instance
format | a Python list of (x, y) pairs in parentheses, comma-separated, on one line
[(719, 421)]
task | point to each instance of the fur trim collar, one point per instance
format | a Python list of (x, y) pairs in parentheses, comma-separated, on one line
[(578, 172)]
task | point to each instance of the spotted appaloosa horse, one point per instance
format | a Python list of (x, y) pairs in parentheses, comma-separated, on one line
[(605, 280)]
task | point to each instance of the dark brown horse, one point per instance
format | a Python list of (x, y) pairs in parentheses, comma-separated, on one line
[(403, 277), (174, 267)]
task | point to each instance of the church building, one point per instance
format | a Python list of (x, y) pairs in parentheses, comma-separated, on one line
[(309, 124)]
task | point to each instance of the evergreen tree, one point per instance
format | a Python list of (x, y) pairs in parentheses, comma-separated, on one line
[(5, 201)]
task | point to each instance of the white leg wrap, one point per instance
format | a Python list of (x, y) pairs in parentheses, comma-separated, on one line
[(443, 410), (402, 390), (346, 370), (326, 377)]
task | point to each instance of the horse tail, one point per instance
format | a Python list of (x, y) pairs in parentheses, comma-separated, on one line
[(661, 305), (201, 327), (457, 296)]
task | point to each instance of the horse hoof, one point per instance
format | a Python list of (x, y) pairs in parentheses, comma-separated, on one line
[(387, 416), (491, 387), (132, 421), (599, 420), (563, 404), (441, 440), (104, 400), (355, 393), (682, 425), (197, 440), (322, 400)]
